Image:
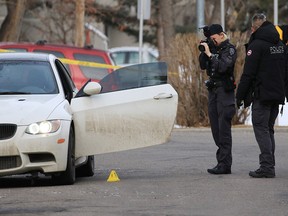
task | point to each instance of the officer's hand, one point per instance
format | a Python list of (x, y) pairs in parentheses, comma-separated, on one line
[(239, 103), (207, 50)]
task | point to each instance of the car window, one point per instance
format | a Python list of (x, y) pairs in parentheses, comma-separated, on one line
[(152, 58), (119, 58), (135, 76), (27, 77), (125, 57), (17, 49), (133, 58), (128, 57), (56, 53), (92, 72)]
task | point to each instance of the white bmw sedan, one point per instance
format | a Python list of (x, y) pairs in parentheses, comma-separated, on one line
[(47, 126)]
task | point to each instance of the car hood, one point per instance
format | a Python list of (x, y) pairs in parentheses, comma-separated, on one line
[(26, 109)]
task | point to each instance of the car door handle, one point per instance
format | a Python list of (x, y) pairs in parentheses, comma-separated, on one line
[(163, 96)]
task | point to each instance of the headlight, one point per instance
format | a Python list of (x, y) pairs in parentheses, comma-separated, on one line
[(44, 127)]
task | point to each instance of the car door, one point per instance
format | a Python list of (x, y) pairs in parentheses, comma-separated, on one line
[(136, 108)]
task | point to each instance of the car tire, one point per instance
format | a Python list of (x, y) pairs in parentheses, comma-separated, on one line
[(86, 170), (68, 177)]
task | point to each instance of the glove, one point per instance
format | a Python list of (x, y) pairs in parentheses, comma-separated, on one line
[(239, 103)]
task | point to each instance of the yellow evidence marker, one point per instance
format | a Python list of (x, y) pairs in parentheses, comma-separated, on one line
[(113, 177)]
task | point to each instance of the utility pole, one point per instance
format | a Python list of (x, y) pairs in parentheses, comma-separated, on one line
[(200, 13), (222, 14), (275, 12), (141, 30), (143, 13)]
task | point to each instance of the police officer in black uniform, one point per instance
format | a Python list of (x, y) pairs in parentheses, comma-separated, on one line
[(265, 76), (218, 58)]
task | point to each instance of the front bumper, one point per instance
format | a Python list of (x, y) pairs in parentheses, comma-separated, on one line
[(24, 153)]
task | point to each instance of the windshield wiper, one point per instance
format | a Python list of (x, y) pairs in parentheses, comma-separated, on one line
[(13, 93)]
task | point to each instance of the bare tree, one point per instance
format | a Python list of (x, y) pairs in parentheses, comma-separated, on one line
[(60, 21), (166, 30), (11, 26), (79, 18), (56, 23), (212, 11)]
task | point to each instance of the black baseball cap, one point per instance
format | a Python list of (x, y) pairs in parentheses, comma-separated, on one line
[(215, 29)]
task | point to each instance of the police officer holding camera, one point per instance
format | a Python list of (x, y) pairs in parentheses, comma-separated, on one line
[(218, 57)]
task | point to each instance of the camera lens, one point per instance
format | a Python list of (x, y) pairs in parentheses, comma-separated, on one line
[(201, 48)]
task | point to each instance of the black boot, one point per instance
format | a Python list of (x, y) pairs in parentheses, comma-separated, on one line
[(260, 173), (220, 169)]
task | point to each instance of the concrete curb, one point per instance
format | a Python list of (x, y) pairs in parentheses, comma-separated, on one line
[(234, 128)]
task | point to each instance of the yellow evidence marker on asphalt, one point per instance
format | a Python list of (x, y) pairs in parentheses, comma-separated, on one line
[(113, 177)]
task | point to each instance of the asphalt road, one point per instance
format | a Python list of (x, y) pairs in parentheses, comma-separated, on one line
[(169, 179)]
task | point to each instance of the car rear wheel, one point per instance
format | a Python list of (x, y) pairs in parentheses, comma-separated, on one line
[(69, 175), (87, 169)]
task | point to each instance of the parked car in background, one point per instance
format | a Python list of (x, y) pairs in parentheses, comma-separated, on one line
[(79, 73), (47, 126), (124, 56)]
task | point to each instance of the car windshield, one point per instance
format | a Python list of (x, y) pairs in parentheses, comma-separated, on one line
[(135, 76), (26, 77)]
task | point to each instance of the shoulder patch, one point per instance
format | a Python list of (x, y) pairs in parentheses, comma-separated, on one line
[(232, 51), (249, 52)]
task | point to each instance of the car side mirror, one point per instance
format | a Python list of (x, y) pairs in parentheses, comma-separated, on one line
[(92, 88)]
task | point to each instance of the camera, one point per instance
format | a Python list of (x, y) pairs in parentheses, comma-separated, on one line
[(210, 43), (201, 47)]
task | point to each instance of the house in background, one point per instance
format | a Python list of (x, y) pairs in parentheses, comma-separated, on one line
[(36, 26)]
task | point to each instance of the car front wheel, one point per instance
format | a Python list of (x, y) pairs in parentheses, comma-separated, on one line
[(69, 175)]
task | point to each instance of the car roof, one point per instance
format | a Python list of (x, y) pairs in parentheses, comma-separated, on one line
[(49, 45), (133, 48), (26, 56)]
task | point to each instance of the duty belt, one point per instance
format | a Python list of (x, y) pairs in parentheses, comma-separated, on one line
[(217, 83)]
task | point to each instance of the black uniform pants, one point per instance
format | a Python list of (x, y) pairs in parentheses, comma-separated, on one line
[(263, 120), (221, 110)]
